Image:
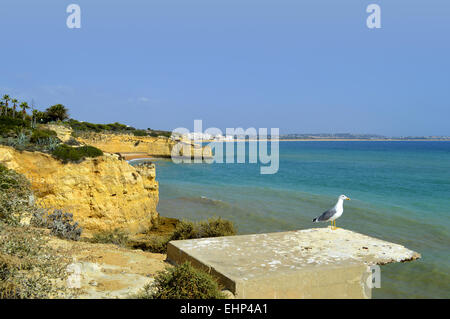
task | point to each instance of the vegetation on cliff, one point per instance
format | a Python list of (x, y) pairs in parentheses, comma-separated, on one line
[(28, 268), (81, 128), (25, 134), (67, 153), (60, 223), (42, 136), (15, 196)]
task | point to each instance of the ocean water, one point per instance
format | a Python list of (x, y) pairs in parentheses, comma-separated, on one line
[(400, 192)]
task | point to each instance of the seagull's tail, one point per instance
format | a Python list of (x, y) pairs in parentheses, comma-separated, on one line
[(315, 220)]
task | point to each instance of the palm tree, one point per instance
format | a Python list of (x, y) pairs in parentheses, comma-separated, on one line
[(14, 102), (24, 106), (6, 98), (2, 105), (57, 112), (34, 117)]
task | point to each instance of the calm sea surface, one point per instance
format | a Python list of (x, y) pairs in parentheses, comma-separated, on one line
[(400, 192)]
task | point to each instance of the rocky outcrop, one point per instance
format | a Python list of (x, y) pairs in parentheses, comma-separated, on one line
[(153, 146), (106, 270), (103, 193), (64, 133)]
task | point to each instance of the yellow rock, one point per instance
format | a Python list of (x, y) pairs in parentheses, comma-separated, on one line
[(64, 133), (153, 146), (103, 193)]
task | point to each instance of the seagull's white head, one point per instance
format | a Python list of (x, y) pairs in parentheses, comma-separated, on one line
[(343, 197)]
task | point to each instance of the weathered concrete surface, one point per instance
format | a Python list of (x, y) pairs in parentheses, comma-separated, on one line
[(312, 263)]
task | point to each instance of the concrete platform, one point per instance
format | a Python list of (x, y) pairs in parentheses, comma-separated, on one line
[(311, 263)]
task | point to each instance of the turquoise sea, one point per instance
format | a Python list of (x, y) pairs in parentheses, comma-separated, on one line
[(400, 192)]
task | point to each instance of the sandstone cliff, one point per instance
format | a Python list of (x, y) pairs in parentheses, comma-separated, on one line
[(153, 146), (103, 193), (64, 133)]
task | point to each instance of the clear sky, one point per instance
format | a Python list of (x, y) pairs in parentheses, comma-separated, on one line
[(304, 66)]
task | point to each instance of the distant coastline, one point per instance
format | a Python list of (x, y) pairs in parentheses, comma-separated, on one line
[(338, 140), (365, 139)]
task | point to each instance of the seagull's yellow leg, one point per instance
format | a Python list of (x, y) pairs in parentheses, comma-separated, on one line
[(335, 226)]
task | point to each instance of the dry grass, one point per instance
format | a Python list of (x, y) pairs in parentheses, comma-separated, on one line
[(28, 268)]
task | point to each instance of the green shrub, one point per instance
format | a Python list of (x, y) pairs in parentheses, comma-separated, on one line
[(56, 113), (183, 282), (153, 243), (91, 127), (41, 135), (160, 133), (72, 142), (140, 133), (10, 126), (117, 237), (90, 151), (67, 153), (214, 227), (184, 230)]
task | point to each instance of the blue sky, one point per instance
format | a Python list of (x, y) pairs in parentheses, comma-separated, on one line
[(302, 66)]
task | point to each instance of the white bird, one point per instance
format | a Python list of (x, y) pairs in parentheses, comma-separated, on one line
[(333, 213)]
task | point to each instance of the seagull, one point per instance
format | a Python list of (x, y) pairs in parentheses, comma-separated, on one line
[(333, 213)]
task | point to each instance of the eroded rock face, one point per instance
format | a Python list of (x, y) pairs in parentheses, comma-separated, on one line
[(127, 143), (64, 133), (103, 193), (153, 146)]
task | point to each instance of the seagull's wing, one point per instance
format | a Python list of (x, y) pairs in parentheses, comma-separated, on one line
[(326, 215)]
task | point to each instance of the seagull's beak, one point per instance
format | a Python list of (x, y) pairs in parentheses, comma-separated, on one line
[(347, 198)]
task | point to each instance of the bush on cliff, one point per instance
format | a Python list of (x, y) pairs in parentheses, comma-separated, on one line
[(15, 196), (42, 135), (60, 223), (140, 133), (216, 227), (55, 113), (66, 153), (183, 282), (213, 227), (157, 243), (10, 126), (30, 269), (78, 126)]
